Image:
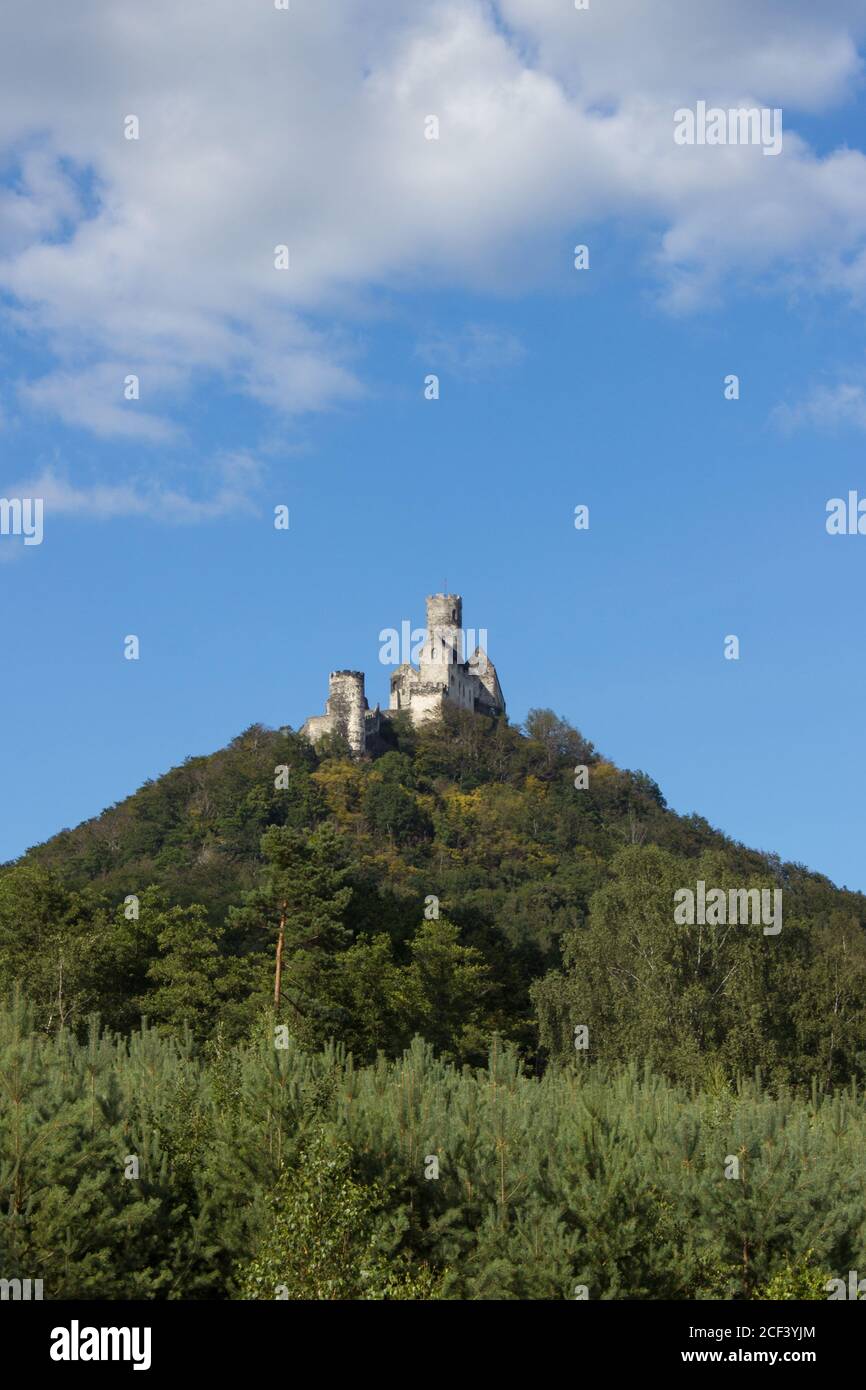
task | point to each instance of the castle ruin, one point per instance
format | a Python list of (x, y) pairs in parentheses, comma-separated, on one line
[(442, 677)]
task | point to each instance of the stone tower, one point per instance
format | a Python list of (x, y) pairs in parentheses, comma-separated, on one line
[(346, 711), (347, 703), (444, 644)]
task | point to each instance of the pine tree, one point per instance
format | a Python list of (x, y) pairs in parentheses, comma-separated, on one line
[(301, 905)]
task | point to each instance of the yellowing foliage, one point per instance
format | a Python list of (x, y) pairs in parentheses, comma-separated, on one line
[(342, 783)]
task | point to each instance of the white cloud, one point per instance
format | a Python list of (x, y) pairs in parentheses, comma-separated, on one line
[(306, 127), (94, 398), (239, 479), (476, 350), (793, 53), (827, 407)]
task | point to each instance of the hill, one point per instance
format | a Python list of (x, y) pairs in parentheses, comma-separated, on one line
[(457, 886)]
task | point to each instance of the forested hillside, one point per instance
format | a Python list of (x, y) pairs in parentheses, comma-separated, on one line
[(457, 886), (459, 893)]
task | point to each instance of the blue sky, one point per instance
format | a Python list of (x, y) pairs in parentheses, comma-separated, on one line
[(605, 387)]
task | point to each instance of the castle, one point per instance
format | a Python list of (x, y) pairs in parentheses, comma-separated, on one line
[(441, 678)]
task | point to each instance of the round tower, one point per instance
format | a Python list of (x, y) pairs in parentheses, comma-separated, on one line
[(347, 703), (444, 629)]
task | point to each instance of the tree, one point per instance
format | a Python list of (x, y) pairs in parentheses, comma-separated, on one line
[(396, 767), (674, 995), (186, 972), (391, 810), (381, 1000), (558, 739), (301, 904), (452, 982), (47, 935), (324, 1240)]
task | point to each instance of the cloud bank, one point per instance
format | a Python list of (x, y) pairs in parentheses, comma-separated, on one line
[(306, 128)]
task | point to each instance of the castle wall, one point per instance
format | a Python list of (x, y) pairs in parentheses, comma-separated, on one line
[(490, 692), (318, 726), (401, 687), (462, 688)]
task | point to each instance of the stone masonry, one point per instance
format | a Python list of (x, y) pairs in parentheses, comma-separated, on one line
[(442, 677)]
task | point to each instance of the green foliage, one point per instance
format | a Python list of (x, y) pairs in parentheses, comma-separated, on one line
[(557, 739), (450, 981), (261, 1166), (390, 810), (325, 1238), (304, 889), (191, 983), (694, 999), (419, 1034), (561, 896), (396, 768), (796, 1281)]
